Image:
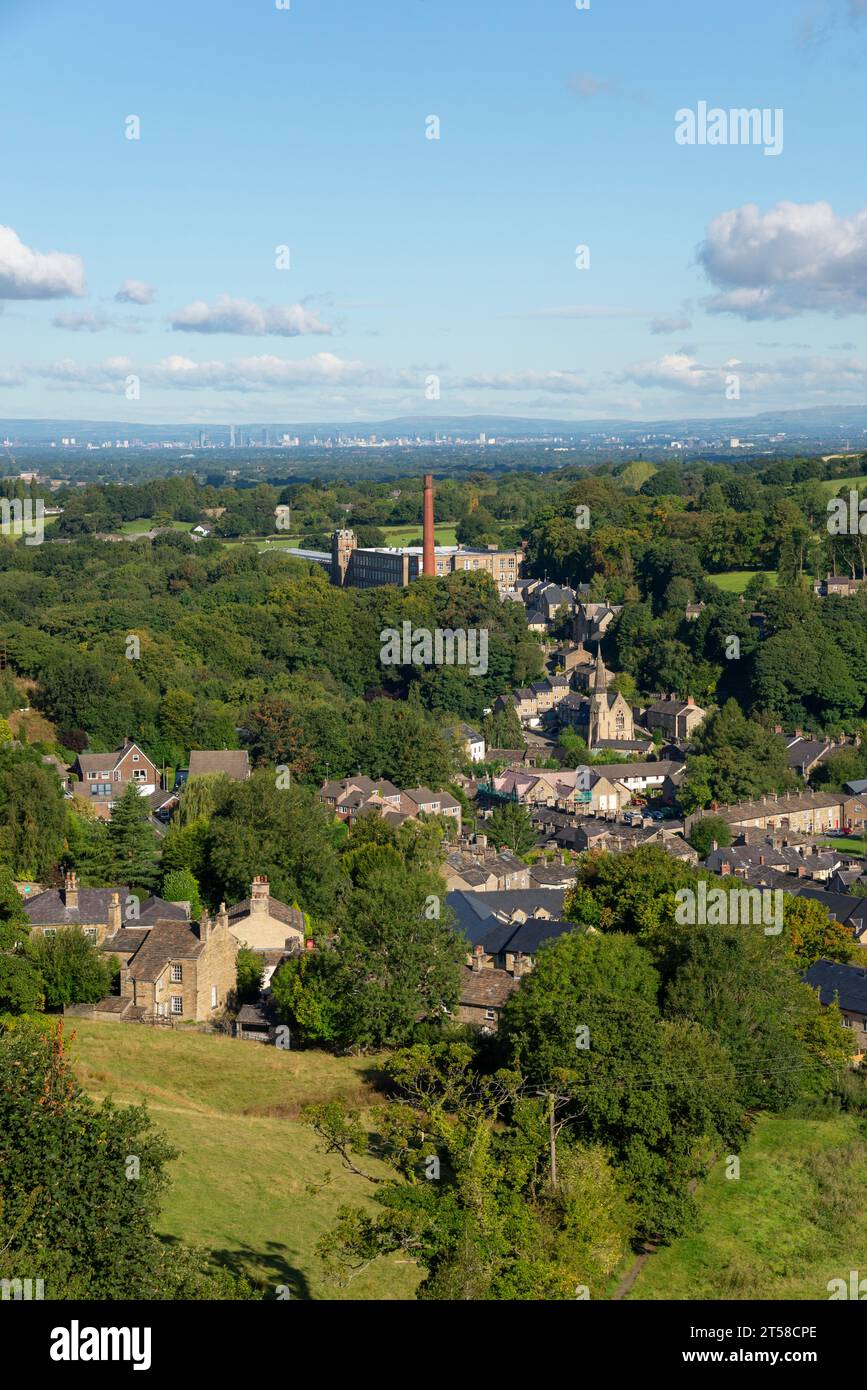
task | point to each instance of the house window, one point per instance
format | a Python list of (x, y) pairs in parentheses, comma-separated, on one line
[(177, 1004), (177, 974), (213, 996), (135, 757), (50, 931), (91, 776), (91, 933), (139, 775), (490, 1015)]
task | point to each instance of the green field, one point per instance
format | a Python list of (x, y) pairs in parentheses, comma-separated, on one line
[(26, 531), (833, 486), (240, 1185), (851, 844), (444, 534), (735, 581), (793, 1220)]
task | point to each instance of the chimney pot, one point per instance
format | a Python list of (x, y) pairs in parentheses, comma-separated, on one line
[(70, 890)]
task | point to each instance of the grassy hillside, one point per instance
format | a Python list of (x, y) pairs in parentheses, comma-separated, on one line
[(240, 1185), (793, 1220)]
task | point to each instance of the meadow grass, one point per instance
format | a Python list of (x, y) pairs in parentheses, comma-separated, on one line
[(250, 1184), (793, 1220)]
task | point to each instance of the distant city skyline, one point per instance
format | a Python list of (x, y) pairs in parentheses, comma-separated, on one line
[(218, 214)]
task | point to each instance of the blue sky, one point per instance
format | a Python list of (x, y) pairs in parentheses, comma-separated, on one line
[(413, 258)]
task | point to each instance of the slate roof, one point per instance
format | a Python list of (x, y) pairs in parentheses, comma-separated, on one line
[(847, 984), (164, 942), (843, 907), (525, 936), (670, 706), (291, 916), (804, 752), (476, 913), (49, 910), (552, 875), (781, 805), (486, 988), (128, 939)]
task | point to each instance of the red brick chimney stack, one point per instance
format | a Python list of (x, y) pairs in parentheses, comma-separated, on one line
[(428, 558)]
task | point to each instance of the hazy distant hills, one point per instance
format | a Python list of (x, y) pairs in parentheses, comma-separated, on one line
[(814, 421)]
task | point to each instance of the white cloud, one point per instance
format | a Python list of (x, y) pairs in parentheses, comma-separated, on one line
[(135, 292), (248, 374), (28, 274), (792, 380), (794, 259), (528, 379), (88, 322), (679, 371), (672, 325), (586, 85), (241, 316)]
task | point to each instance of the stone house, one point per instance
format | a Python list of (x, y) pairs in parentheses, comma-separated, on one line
[(837, 586), (180, 972), (483, 995), (98, 912), (485, 871), (593, 620), (263, 923), (675, 718), (811, 813)]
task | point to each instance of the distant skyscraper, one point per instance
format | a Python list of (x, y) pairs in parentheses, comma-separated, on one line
[(231, 436)]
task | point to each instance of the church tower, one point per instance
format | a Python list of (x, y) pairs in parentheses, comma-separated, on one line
[(600, 675)]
